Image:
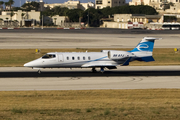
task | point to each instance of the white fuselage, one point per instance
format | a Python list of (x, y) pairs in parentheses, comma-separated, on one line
[(104, 59), (77, 60)]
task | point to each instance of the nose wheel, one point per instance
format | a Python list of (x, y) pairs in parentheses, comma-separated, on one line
[(39, 71)]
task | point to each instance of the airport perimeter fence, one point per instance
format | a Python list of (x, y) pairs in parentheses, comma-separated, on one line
[(8, 24), (70, 25), (154, 26)]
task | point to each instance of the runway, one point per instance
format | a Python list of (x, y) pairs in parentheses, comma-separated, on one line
[(130, 77), (88, 38), (117, 73)]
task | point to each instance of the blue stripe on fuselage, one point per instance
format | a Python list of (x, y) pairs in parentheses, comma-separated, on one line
[(97, 59)]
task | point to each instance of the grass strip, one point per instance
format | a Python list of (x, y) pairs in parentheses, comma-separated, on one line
[(17, 57), (144, 104)]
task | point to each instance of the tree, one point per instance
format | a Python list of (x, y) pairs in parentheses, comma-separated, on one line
[(78, 15), (55, 20), (7, 20), (139, 9), (94, 17), (1, 3), (31, 6), (11, 2), (1, 21), (16, 8), (6, 4), (12, 14), (22, 14), (74, 14), (106, 12)]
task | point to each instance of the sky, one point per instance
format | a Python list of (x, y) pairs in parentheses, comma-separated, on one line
[(17, 2)]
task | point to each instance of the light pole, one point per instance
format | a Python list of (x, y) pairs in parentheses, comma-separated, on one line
[(42, 22), (33, 23), (88, 13)]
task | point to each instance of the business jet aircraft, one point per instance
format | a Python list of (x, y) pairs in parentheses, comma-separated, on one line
[(104, 59)]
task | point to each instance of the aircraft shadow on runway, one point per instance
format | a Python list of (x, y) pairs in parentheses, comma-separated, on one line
[(87, 74)]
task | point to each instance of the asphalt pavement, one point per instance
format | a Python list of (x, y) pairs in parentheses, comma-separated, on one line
[(89, 31)]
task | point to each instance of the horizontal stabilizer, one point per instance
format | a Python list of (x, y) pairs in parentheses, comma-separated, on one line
[(146, 59)]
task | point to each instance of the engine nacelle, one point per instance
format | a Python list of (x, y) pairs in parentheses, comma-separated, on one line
[(116, 55)]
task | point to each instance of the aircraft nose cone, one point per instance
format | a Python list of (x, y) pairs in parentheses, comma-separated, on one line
[(34, 63), (26, 65), (29, 64)]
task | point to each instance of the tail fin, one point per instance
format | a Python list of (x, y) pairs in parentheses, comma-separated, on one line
[(143, 51), (146, 44)]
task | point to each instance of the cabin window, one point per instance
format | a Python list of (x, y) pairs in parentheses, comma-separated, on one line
[(84, 58), (72, 58), (78, 58), (48, 56), (89, 58), (67, 58)]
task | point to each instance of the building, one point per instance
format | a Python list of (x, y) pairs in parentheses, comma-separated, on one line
[(175, 9), (162, 6), (1, 7), (157, 4), (85, 6), (24, 18), (72, 5), (56, 20), (69, 4), (138, 18), (126, 21), (109, 3)]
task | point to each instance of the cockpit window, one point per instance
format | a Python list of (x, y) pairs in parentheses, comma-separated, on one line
[(47, 56)]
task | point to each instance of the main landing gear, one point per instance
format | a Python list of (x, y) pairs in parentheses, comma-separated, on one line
[(94, 70), (101, 70)]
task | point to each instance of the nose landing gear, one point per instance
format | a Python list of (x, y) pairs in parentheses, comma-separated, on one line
[(39, 71)]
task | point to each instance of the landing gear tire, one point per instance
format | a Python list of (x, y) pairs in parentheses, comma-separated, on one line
[(39, 71), (94, 70), (102, 70)]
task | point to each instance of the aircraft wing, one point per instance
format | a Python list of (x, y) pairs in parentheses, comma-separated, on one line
[(99, 65)]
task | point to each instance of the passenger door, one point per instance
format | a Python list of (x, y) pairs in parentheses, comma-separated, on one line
[(60, 58)]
